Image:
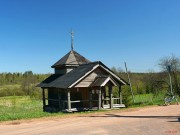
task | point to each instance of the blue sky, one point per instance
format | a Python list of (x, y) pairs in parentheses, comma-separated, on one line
[(34, 34)]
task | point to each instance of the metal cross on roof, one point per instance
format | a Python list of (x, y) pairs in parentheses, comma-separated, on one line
[(72, 40)]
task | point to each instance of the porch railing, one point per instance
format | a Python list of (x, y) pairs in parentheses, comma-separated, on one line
[(105, 102)]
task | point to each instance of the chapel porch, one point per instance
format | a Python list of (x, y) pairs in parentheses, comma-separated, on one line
[(81, 99)]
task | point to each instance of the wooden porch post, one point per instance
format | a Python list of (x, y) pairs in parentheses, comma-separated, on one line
[(111, 97), (102, 93), (44, 100), (69, 99), (59, 99), (90, 98), (120, 95), (99, 99)]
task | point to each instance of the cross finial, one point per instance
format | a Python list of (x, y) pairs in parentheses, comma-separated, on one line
[(72, 39)]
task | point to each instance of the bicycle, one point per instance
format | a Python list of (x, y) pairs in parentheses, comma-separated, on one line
[(169, 99)]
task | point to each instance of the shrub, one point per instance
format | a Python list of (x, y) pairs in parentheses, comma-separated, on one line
[(126, 96)]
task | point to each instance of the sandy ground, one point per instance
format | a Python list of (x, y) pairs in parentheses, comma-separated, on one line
[(159, 120)]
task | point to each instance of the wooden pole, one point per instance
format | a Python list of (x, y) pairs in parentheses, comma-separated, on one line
[(105, 95), (110, 96), (44, 101), (69, 99), (170, 79), (99, 99), (59, 99), (129, 82), (102, 93)]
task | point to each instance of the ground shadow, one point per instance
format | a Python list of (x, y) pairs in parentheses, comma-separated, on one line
[(174, 121), (123, 116)]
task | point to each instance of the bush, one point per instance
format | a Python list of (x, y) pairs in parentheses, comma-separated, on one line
[(126, 96), (36, 93)]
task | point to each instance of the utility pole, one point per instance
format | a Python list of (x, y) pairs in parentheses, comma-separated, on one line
[(129, 82), (170, 79)]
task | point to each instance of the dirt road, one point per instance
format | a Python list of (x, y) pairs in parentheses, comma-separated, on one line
[(159, 120)]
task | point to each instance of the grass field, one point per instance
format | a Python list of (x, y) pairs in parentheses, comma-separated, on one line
[(24, 107), (14, 86), (20, 107), (6, 90), (149, 99)]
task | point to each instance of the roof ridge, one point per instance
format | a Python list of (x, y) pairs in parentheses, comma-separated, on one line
[(94, 62), (68, 56), (71, 55), (72, 51), (79, 57)]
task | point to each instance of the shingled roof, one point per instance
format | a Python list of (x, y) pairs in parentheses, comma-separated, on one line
[(71, 58), (73, 77)]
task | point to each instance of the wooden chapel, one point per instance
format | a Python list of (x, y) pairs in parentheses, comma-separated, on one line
[(79, 84)]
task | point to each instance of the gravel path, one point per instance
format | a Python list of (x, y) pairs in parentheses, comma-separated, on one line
[(159, 120)]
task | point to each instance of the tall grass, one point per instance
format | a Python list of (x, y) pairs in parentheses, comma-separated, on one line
[(20, 107), (25, 107), (150, 99)]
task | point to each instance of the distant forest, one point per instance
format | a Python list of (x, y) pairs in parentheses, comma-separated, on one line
[(142, 83), (20, 84), (155, 83)]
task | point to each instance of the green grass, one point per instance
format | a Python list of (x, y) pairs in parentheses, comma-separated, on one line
[(6, 90), (149, 99), (24, 107), (21, 107), (14, 86)]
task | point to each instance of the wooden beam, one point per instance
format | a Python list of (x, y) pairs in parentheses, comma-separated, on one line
[(99, 99), (103, 91), (44, 101), (69, 99), (129, 82), (78, 101), (111, 97)]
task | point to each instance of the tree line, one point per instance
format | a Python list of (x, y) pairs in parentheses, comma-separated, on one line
[(142, 83), (18, 78), (20, 84), (156, 82)]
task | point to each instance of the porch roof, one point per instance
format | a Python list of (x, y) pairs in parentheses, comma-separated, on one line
[(103, 81)]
